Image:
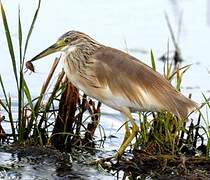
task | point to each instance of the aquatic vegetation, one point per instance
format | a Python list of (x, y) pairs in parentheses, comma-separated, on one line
[(34, 123), (21, 86), (26, 104), (162, 135)]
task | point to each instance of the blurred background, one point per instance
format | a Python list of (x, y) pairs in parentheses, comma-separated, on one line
[(133, 26)]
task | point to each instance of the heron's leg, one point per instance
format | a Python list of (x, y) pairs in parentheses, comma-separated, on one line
[(126, 141), (127, 130), (131, 136)]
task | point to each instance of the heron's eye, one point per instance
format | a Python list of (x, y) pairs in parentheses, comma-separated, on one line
[(66, 40)]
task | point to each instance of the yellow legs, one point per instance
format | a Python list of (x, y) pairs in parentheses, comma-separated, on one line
[(129, 136), (127, 131)]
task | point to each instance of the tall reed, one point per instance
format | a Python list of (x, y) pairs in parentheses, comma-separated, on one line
[(18, 72)]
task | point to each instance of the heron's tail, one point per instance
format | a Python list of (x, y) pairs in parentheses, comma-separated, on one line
[(182, 106)]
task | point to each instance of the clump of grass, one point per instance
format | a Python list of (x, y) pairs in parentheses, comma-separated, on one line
[(166, 145), (164, 133), (160, 132), (34, 114), (21, 86), (206, 120), (26, 104)]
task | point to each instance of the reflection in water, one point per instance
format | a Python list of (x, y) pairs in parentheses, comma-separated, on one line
[(141, 23), (44, 166)]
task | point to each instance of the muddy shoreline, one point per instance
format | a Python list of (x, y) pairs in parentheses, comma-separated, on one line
[(61, 165), (36, 162)]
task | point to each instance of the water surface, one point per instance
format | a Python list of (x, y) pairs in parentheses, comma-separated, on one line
[(135, 25)]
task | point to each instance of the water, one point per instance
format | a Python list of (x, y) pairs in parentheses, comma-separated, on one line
[(121, 24), (26, 168), (140, 23)]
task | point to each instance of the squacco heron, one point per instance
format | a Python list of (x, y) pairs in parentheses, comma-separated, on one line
[(117, 79)]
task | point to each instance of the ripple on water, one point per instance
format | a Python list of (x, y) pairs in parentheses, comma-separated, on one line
[(31, 165)]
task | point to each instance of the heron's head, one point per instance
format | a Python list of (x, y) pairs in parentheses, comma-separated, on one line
[(67, 41)]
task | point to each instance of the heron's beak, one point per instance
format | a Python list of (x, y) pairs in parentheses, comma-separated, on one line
[(50, 50)]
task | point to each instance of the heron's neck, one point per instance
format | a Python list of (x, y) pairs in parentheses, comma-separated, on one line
[(83, 50), (88, 49), (76, 57)]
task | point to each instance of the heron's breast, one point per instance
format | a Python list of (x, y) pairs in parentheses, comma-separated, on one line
[(103, 94), (90, 86), (116, 101)]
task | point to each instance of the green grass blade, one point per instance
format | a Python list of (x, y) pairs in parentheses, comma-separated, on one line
[(153, 60), (4, 92), (9, 43), (207, 123), (182, 70), (20, 91), (4, 106), (178, 83), (5, 96), (11, 117), (28, 94), (8, 108), (20, 36), (206, 100), (30, 30)]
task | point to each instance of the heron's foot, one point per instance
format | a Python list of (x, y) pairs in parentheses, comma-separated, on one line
[(128, 140), (118, 155), (102, 160)]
